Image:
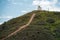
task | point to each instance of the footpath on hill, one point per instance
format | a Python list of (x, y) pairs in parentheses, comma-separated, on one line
[(22, 27)]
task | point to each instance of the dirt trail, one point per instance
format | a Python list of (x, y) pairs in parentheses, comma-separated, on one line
[(22, 27)]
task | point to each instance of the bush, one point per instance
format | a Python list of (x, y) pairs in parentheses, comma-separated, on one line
[(3, 26), (41, 23), (50, 20)]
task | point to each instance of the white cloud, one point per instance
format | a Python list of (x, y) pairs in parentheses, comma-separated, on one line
[(56, 9), (23, 11), (45, 4), (5, 17), (36, 2), (1, 23), (14, 2), (9, 17)]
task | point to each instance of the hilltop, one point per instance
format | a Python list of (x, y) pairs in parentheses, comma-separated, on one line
[(44, 26)]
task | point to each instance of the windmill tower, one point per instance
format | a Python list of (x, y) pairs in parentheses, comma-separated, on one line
[(39, 8)]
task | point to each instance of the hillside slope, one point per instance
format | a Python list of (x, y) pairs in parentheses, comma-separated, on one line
[(45, 26)]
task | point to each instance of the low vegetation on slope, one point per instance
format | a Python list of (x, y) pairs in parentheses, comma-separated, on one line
[(45, 26)]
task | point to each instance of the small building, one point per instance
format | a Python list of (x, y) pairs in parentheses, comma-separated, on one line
[(39, 8)]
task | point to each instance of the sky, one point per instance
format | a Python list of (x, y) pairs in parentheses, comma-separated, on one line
[(13, 8)]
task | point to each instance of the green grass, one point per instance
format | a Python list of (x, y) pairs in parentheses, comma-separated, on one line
[(45, 26)]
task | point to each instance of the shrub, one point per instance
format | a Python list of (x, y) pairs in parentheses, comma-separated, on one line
[(50, 20), (41, 23)]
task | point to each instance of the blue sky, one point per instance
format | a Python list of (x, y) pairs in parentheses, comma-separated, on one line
[(13, 8)]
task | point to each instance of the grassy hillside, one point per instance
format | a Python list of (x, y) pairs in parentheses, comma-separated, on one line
[(45, 26)]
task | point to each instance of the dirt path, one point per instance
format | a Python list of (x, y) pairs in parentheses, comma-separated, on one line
[(22, 27)]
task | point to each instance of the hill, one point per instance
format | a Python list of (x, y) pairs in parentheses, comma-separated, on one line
[(44, 26)]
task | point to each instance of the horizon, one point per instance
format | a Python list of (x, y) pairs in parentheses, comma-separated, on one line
[(13, 8)]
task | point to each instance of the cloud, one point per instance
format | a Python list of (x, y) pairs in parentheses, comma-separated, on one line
[(1, 23), (36, 2), (23, 11), (6, 19), (46, 4), (9, 17), (14, 2)]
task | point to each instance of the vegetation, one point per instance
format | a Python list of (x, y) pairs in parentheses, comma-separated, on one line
[(45, 26)]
